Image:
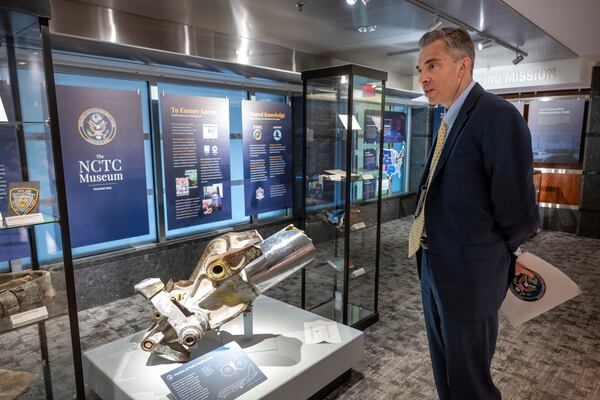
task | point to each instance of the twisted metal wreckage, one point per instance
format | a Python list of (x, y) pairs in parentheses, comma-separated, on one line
[(233, 270)]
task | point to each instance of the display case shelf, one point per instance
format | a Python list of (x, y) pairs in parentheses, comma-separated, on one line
[(48, 219), (24, 123)]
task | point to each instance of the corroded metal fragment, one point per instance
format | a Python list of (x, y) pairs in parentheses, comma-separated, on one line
[(20, 291)]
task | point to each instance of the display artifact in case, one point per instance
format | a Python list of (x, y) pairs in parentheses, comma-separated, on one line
[(21, 291), (233, 270)]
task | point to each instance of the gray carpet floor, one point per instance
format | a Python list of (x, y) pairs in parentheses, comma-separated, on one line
[(554, 356)]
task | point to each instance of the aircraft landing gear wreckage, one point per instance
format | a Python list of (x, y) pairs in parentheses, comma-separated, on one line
[(233, 270)]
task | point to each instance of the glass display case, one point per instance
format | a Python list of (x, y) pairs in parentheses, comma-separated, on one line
[(37, 304), (342, 181)]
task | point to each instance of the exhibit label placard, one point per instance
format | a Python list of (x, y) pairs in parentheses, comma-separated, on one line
[(225, 373), (13, 242), (370, 159), (369, 189), (195, 133), (556, 130), (267, 142), (102, 139)]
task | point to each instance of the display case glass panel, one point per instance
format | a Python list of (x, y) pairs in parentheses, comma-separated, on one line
[(326, 105), (363, 221)]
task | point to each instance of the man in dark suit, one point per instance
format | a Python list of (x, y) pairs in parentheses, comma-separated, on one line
[(476, 207)]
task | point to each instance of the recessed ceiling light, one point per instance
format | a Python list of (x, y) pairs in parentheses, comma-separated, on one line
[(351, 2), (21, 63), (367, 28)]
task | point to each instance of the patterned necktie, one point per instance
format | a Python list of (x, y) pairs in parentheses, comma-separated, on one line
[(416, 230)]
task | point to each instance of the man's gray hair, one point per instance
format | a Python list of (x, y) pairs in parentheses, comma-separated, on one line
[(458, 42)]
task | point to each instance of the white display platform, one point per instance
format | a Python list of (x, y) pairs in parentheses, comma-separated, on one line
[(294, 369)]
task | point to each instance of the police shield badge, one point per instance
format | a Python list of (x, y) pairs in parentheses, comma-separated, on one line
[(23, 198)]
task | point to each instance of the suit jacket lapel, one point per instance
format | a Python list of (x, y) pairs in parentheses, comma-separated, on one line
[(457, 127)]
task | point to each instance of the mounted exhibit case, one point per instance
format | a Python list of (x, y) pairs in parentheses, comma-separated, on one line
[(342, 181)]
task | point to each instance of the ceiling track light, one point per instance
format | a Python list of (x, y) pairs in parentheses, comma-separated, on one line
[(485, 44), (518, 59), (437, 23)]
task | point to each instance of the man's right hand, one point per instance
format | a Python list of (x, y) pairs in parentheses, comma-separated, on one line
[(520, 269)]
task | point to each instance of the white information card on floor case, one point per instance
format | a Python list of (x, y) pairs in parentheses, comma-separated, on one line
[(321, 331)]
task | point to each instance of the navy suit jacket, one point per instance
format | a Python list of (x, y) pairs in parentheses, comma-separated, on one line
[(480, 206)]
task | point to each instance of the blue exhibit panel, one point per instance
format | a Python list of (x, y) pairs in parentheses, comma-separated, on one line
[(105, 134), (276, 98), (202, 166), (267, 138), (556, 130)]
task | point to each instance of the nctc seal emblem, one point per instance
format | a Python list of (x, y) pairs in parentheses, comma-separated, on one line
[(528, 288), (97, 126)]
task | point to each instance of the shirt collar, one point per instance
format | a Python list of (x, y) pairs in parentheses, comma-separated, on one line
[(452, 112)]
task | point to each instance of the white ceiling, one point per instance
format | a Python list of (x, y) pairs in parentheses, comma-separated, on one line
[(574, 23)]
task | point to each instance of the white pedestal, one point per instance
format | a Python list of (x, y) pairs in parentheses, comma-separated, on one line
[(294, 370)]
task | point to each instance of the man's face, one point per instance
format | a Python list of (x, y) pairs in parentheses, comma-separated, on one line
[(439, 74)]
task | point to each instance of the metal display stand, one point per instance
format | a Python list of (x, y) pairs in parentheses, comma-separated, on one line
[(341, 190), (32, 117)]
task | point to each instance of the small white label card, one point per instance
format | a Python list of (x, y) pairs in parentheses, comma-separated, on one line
[(321, 331), (27, 317), (28, 219)]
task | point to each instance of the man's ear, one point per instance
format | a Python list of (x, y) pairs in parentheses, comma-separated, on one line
[(465, 66)]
